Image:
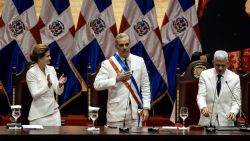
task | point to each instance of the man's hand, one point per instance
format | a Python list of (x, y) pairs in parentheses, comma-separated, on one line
[(232, 116), (205, 112), (145, 114), (123, 76)]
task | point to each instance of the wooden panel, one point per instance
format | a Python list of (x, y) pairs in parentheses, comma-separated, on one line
[(245, 95), (1, 89), (21, 94), (97, 98), (190, 90), (187, 89)]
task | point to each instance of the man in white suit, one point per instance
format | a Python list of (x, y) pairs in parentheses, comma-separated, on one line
[(128, 86), (219, 93)]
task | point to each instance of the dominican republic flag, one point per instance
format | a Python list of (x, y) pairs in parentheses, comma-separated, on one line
[(16, 40), (179, 34), (95, 35), (140, 23), (57, 31)]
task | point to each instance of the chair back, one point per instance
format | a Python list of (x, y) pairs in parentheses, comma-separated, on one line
[(245, 96), (97, 98), (21, 94), (187, 89)]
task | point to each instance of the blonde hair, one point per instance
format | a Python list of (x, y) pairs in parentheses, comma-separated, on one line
[(38, 52)]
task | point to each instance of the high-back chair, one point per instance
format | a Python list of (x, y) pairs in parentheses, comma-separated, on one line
[(186, 91), (21, 94), (245, 96), (97, 98)]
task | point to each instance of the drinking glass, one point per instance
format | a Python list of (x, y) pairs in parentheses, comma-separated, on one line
[(184, 115), (16, 113), (93, 113)]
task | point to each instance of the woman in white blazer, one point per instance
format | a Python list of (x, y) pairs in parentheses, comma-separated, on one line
[(219, 107), (42, 83), (114, 75)]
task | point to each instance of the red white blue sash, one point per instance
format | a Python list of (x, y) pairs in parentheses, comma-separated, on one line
[(134, 90)]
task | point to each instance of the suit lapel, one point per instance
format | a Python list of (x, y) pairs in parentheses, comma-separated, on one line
[(213, 82), (40, 74), (224, 87), (132, 63)]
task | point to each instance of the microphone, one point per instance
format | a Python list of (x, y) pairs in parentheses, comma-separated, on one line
[(125, 129), (242, 123), (153, 128), (211, 127)]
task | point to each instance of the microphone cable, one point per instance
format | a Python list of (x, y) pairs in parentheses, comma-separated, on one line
[(153, 128), (126, 129), (211, 127), (237, 103)]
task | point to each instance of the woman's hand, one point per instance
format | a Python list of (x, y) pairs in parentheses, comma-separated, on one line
[(62, 80), (49, 81)]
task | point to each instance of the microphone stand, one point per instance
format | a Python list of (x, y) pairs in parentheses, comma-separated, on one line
[(125, 129), (242, 122), (153, 128), (211, 127)]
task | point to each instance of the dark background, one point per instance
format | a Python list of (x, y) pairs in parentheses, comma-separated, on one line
[(225, 25)]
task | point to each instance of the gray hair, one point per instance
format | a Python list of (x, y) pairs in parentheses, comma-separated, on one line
[(221, 55), (121, 35)]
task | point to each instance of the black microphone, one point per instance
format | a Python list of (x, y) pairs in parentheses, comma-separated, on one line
[(153, 128), (243, 124), (125, 129), (211, 127)]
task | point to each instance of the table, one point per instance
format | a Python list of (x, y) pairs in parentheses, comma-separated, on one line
[(75, 133)]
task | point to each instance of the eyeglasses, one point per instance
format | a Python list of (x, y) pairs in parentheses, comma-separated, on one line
[(122, 45)]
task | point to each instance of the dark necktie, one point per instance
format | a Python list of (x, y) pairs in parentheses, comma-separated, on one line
[(218, 86), (126, 63)]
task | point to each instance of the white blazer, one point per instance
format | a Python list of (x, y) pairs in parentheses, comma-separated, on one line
[(43, 103), (118, 93), (219, 106)]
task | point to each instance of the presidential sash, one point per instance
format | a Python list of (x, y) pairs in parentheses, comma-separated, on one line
[(134, 90)]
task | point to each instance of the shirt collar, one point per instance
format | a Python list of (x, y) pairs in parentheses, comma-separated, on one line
[(128, 58)]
